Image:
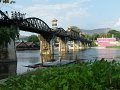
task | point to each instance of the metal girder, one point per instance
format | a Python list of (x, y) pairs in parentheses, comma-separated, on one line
[(37, 25), (73, 35), (34, 23), (60, 32), (4, 19), (3, 16)]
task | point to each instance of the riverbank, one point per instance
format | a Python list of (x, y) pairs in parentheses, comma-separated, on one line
[(112, 46), (97, 75)]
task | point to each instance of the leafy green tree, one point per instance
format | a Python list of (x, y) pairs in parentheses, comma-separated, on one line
[(7, 34), (74, 28), (87, 36), (33, 38), (104, 35), (95, 36), (114, 33)]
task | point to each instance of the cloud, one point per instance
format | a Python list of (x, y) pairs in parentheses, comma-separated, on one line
[(67, 13), (118, 22)]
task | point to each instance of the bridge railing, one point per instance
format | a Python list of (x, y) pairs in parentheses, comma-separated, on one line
[(17, 15)]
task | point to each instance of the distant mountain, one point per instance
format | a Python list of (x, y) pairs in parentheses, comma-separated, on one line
[(98, 31)]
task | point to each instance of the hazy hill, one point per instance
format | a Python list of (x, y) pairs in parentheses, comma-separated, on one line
[(98, 31)]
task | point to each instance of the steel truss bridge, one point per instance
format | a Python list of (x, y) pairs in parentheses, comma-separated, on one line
[(36, 25)]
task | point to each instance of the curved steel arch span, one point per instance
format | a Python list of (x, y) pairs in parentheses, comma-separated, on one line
[(37, 25), (3, 16), (4, 19), (33, 24)]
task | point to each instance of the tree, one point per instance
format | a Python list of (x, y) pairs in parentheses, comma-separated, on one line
[(33, 38), (74, 28), (7, 34), (95, 36), (103, 35), (114, 33), (87, 36)]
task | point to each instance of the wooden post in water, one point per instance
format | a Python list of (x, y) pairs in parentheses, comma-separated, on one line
[(60, 60), (76, 59)]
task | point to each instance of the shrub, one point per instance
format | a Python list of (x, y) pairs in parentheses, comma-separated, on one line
[(97, 75)]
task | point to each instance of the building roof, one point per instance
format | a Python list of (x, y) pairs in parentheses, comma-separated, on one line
[(21, 44)]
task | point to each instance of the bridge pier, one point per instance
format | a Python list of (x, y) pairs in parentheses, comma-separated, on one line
[(8, 54), (82, 45), (7, 69), (75, 45), (45, 46), (86, 45), (63, 45)]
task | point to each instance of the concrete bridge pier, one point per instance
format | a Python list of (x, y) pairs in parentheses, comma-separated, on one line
[(63, 48), (8, 54), (45, 46), (87, 45), (82, 45), (75, 45)]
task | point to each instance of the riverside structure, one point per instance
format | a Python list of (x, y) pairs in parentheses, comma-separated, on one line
[(46, 34)]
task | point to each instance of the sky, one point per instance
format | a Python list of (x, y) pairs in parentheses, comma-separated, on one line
[(85, 14)]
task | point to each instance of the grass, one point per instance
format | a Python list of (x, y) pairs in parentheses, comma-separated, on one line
[(112, 46), (97, 75)]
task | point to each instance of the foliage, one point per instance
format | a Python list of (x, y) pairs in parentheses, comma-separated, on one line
[(95, 36), (109, 34), (97, 75), (112, 46), (74, 28), (114, 33), (7, 34), (93, 44), (103, 35), (33, 38), (55, 40), (92, 37)]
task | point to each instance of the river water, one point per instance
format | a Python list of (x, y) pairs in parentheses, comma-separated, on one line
[(31, 57)]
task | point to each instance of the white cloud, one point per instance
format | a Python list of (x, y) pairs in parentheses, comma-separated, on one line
[(118, 22), (65, 13)]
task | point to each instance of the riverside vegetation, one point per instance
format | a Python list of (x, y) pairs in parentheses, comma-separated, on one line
[(97, 75), (112, 46)]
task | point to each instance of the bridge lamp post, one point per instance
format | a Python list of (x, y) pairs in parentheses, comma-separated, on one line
[(54, 23), (54, 27)]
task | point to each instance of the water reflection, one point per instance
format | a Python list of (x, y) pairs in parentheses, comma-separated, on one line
[(107, 53), (7, 69), (27, 57)]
